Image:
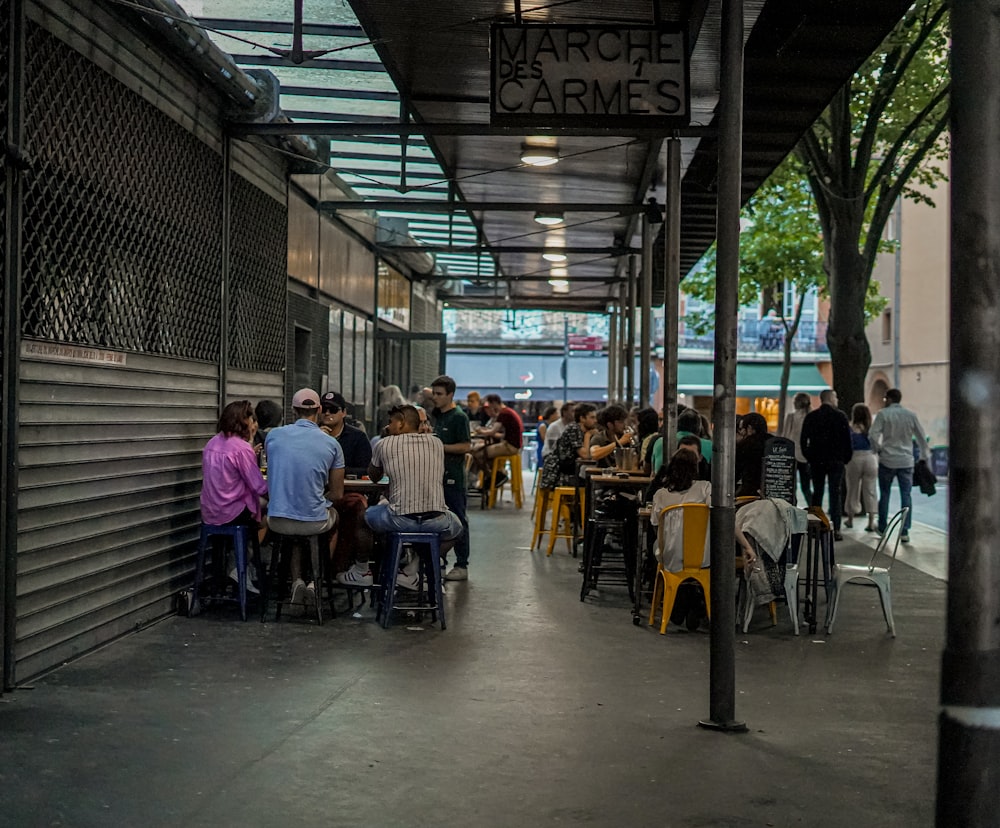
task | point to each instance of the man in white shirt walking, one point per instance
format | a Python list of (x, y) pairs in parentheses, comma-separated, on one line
[(892, 435)]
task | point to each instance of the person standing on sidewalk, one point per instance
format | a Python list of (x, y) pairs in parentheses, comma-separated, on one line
[(792, 430), (892, 435), (451, 425), (826, 444)]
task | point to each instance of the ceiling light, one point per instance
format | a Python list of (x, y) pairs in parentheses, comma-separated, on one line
[(558, 272), (560, 288), (559, 282), (552, 256), (535, 155), (549, 219)]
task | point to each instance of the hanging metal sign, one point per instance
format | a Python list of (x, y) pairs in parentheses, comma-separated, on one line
[(601, 76)]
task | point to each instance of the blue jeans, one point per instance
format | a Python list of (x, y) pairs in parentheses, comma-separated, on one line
[(383, 520), (885, 478), (457, 499)]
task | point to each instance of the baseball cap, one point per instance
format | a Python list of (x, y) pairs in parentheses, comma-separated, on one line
[(305, 398), (331, 398)]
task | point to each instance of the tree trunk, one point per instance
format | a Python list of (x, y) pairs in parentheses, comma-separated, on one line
[(846, 338), (786, 365)]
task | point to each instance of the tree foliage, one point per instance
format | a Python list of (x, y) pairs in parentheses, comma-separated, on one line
[(781, 245), (880, 136)]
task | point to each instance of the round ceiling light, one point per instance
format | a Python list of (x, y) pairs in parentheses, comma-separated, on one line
[(552, 256), (549, 219), (536, 155), (559, 282)]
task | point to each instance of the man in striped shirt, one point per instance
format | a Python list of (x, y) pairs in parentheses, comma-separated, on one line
[(414, 463)]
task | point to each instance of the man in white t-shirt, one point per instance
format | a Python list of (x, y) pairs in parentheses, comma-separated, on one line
[(553, 431)]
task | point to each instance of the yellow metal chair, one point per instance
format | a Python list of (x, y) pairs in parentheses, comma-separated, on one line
[(695, 533), (514, 460), (562, 502)]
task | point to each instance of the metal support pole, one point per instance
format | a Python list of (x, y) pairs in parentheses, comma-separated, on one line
[(622, 316), (968, 792), (645, 311), (722, 661), (227, 221), (614, 357), (897, 292), (628, 343), (671, 292), (565, 377), (11, 329)]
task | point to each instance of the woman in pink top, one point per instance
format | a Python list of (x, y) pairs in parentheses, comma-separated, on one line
[(232, 481)]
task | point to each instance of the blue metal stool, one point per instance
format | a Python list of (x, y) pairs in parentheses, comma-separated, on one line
[(238, 536), (428, 546)]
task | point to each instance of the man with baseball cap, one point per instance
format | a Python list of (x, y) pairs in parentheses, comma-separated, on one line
[(305, 476), (350, 549)]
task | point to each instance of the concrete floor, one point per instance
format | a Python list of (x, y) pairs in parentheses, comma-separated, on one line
[(531, 709)]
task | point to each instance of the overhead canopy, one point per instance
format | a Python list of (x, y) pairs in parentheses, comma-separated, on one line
[(405, 102), (753, 379)]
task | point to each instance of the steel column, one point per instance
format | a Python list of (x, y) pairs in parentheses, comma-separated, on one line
[(722, 667), (645, 310), (614, 357), (11, 328), (622, 316), (671, 292), (968, 792), (628, 343)]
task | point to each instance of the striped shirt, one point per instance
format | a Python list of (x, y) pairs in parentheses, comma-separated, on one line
[(415, 466)]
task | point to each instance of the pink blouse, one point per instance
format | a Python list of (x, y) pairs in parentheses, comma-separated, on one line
[(231, 482)]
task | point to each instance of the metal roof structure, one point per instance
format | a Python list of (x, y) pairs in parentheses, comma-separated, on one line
[(402, 92)]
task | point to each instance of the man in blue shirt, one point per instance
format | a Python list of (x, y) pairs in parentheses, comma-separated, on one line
[(305, 475)]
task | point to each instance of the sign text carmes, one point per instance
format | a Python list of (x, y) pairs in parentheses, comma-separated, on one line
[(574, 75)]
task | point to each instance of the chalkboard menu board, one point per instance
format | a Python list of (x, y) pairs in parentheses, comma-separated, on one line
[(778, 474)]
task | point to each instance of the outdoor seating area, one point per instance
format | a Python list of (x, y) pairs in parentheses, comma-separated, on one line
[(515, 668)]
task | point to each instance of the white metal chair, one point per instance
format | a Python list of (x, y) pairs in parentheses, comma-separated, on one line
[(871, 574)]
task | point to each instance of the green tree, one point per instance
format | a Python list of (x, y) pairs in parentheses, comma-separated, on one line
[(781, 246), (881, 134)]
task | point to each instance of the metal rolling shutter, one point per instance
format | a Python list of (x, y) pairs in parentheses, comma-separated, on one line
[(110, 476)]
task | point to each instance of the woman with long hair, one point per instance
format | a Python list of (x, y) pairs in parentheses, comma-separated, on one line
[(682, 486), (862, 471), (232, 483)]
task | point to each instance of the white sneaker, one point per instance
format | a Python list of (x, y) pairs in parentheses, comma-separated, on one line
[(235, 578), (411, 582), (356, 576), (458, 573), (310, 602), (297, 603)]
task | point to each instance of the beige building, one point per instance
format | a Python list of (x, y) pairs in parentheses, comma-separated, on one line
[(910, 340)]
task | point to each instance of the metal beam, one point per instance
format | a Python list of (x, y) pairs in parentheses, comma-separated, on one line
[(372, 127), (500, 249), (413, 205), (223, 24)]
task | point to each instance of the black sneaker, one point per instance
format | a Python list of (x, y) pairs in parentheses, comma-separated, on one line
[(502, 478)]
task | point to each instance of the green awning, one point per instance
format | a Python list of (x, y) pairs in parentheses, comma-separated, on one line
[(753, 379)]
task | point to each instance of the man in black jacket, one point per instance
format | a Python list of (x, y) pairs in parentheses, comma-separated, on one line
[(826, 444)]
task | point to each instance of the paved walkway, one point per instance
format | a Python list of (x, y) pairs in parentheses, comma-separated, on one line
[(531, 709)]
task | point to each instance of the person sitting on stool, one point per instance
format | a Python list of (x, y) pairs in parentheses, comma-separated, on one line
[(414, 463), (305, 477)]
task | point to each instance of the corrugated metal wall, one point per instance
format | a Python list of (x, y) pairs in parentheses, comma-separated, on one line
[(119, 376), (110, 474)]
